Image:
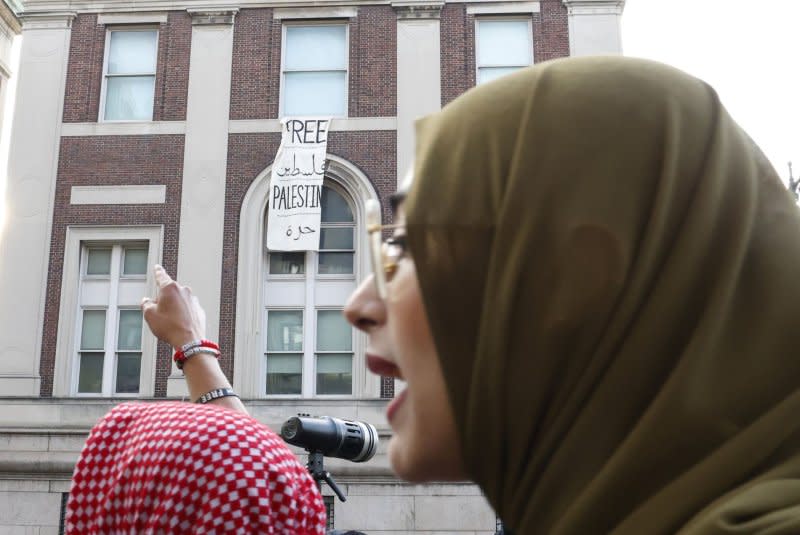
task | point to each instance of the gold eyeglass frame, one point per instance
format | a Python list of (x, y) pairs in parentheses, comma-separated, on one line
[(383, 263)]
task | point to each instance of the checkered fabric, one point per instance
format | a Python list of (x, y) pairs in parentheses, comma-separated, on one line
[(150, 468)]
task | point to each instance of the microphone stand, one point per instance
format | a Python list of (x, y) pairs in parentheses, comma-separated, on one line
[(318, 472)]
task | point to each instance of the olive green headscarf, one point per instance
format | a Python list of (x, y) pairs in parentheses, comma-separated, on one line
[(611, 270)]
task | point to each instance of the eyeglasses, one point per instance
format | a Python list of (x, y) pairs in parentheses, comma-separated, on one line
[(385, 254)]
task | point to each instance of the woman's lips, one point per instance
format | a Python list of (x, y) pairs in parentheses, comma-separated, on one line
[(385, 367), (394, 405), (381, 366)]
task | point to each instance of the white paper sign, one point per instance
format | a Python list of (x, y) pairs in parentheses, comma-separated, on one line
[(293, 220)]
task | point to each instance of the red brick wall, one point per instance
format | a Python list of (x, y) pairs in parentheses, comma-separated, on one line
[(255, 80), (457, 44), (172, 76), (550, 41), (117, 160), (85, 69), (373, 63), (550, 31), (248, 155), (255, 83)]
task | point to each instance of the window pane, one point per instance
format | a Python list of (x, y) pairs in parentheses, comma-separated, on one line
[(334, 208), (487, 74), (315, 48), (130, 330), (90, 376), (132, 52), (287, 263), (135, 262), (129, 98), (284, 363), (334, 363), (285, 330), (284, 374), (99, 262), (128, 368), (336, 238), (335, 263), (93, 329), (314, 93), (333, 331), (504, 42), (334, 374)]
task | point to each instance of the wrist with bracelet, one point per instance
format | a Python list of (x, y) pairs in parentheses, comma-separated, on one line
[(217, 393), (193, 348)]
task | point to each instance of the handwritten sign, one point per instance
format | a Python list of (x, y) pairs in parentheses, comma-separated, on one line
[(293, 220)]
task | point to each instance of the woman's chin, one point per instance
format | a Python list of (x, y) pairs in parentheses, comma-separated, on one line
[(404, 463), (418, 465)]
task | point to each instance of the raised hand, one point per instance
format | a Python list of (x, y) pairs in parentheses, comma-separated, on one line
[(175, 315)]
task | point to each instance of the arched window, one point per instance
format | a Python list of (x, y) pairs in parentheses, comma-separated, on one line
[(291, 337), (309, 345)]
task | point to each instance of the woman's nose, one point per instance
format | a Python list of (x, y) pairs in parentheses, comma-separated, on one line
[(365, 310)]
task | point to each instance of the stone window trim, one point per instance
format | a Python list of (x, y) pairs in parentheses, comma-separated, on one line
[(504, 8), (316, 22), (66, 339), (249, 335), (131, 194), (104, 82), (314, 13), (595, 7), (150, 19)]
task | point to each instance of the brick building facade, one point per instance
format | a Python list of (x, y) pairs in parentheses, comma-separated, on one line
[(144, 133)]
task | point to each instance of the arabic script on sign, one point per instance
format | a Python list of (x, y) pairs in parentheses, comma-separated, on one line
[(295, 200)]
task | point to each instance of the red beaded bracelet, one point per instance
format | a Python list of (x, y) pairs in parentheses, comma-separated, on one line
[(192, 348)]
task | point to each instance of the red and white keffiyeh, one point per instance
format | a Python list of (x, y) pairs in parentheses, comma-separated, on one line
[(150, 468)]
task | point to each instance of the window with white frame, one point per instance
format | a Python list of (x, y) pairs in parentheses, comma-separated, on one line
[(109, 327), (314, 74), (129, 74), (308, 342), (503, 46), (334, 353)]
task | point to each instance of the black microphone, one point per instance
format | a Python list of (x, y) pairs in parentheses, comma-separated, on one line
[(333, 437)]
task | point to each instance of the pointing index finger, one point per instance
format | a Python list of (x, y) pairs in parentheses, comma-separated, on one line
[(162, 278)]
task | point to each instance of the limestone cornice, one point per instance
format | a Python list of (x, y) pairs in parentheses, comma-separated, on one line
[(51, 20), (594, 7), (417, 9), (136, 6), (10, 18), (208, 16)]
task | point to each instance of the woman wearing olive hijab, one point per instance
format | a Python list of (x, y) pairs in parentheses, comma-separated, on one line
[(606, 274)]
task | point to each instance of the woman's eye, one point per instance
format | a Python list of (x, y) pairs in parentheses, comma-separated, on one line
[(398, 243)]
